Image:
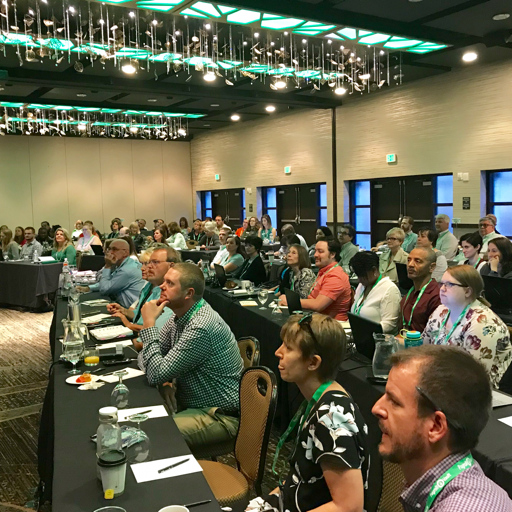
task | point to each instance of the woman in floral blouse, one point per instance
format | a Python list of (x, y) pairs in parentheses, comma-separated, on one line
[(298, 276), (329, 464), (464, 320)]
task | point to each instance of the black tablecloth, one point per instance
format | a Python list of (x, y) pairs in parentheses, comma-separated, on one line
[(25, 283), (494, 450), (90, 262), (75, 486)]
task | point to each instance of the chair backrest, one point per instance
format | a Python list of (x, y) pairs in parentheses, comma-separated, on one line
[(393, 483), (192, 244), (258, 399), (249, 350)]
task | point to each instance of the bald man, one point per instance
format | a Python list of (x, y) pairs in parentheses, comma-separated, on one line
[(121, 277)]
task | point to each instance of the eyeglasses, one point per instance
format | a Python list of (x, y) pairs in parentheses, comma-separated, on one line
[(450, 285), (485, 225), (305, 323), (391, 238), (343, 233), (432, 404), (154, 263)]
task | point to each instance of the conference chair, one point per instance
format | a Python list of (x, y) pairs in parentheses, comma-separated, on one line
[(393, 483), (249, 348), (258, 399)]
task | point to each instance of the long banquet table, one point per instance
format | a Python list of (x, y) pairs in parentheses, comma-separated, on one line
[(493, 452), (25, 284), (75, 419)]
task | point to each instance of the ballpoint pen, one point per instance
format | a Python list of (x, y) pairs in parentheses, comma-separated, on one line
[(173, 465)]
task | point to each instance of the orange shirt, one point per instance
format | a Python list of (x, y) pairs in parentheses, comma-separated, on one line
[(239, 232), (332, 282)]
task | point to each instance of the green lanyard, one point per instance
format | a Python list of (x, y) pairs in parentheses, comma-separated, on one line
[(477, 263), (461, 316), (292, 280), (447, 477), (318, 277), (307, 406), (422, 291), (357, 310)]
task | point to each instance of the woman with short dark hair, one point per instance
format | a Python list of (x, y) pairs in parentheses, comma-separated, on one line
[(176, 240), (185, 230), (115, 227), (471, 244), (377, 298), (329, 464)]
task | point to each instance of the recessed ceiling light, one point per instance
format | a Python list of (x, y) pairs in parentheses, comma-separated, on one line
[(340, 91), (81, 94), (131, 14), (286, 33), (469, 57), (152, 100), (134, 129), (207, 26), (270, 108), (280, 84), (128, 68), (82, 127), (182, 132), (235, 117), (256, 34), (206, 125), (209, 76), (501, 17)]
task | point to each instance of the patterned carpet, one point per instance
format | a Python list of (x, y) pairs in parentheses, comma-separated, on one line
[(24, 363)]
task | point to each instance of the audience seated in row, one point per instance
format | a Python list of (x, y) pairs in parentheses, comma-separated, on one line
[(88, 238), (210, 239), (348, 249), (10, 248), (323, 232), (63, 247), (410, 237), (297, 275), (253, 268), (388, 260), (471, 244), (427, 239), (499, 259), (446, 241)]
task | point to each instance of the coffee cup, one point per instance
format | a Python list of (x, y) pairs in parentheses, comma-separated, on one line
[(112, 466), (174, 508), (245, 284)]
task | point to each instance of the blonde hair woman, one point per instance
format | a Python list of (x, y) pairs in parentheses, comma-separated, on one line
[(63, 247), (10, 248), (464, 319), (84, 243), (387, 261)]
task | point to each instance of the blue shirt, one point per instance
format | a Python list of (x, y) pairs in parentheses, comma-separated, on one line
[(151, 293), (122, 284), (409, 242)]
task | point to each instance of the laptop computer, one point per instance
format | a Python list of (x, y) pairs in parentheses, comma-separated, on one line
[(221, 274), (498, 291), (404, 282), (293, 299), (362, 332), (97, 250)]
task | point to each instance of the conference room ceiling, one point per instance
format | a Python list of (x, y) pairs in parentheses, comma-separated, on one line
[(461, 25)]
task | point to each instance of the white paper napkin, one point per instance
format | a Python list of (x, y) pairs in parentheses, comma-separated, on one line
[(131, 373)]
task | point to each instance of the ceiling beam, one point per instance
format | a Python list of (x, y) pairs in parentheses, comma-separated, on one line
[(118, 85), (450, 10)]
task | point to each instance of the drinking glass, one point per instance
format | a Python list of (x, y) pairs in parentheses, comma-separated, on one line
[(262, 298), (385, 347), (121, 393), (277, 310), (139, 451), (6, 257), (73, 352), (250, 287), (91, 356)]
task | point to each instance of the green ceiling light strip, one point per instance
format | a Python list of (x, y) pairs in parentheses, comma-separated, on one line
[(349, 33), (206, 8), (10, 104), (190, 12), (397, 43), (273, 22), (226, 10), (332, 35), (166, 57), (244, 17), (374, 39), (155, 7), (308, 32)]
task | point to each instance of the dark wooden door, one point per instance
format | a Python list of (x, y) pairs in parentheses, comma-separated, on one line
[(229, 204)]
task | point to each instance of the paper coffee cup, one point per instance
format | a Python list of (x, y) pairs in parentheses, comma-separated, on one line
[(112, 466)]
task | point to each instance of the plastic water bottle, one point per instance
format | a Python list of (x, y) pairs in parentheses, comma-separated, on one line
[(65, 281), (35, 256), (108, 435)]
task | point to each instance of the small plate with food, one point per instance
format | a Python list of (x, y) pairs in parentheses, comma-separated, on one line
[(85, 378)]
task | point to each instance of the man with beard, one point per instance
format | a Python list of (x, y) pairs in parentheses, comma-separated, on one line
[(437, 402)]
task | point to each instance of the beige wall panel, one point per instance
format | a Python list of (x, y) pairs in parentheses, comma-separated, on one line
[(254, 154), (177, 181), (15, 183), (458, 122), (49, 180), (117, 181), (149, 180), (84, 181)]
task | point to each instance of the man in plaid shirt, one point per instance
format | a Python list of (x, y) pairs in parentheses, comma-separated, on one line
[(197, 348), (436, 404)]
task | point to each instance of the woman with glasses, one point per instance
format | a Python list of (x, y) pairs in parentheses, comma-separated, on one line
[(329, 463), (387, 262), (499, 259), (377, 298), (297, 276), (88, 238), (464, 320)]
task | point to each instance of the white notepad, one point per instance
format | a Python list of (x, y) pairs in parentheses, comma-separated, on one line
[(155, 411), (148, 471)]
